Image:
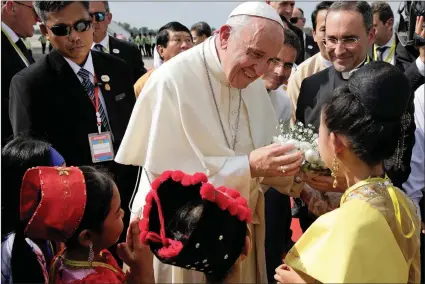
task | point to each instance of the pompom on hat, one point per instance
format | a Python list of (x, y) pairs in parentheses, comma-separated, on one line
[(214, 242), (53, 199)]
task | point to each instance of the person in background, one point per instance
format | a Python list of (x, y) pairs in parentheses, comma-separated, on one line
[(310, 46), (152, 40), (317, 62), (297, 18), (103, 42), (17, 21), (43, 41), (147, 44), (172, 39), (200, 32), (285, 10), (24, 260), (384, 46), (277, 205)]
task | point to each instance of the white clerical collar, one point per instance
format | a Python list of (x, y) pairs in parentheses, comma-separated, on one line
[(390, 42), (347, 75), (325, 62), (104, 42), (88, 65), (13, 36), (213, 61)]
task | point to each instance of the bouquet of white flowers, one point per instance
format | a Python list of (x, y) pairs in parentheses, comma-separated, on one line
[(306, 140)]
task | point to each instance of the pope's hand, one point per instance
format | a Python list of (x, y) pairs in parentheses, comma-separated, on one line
[(274, 160)]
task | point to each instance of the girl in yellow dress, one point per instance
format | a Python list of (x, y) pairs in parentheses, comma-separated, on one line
[(373, 237)]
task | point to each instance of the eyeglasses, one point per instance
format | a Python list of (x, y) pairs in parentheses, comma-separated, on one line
[(65, 30), (98, 16), (294, 20), (347, 42), (22, 4)]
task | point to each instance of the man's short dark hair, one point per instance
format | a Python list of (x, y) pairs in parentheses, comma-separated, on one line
[(201, 29), (361, 7), (292, 40), (43, 8), (324, 5), (383, 9), (162, 37)]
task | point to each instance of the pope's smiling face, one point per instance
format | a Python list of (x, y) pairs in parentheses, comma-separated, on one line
[(247, 51)]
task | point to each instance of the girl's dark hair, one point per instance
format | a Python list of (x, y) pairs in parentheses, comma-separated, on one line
[(18, 156), (99, 187), (368, 111)]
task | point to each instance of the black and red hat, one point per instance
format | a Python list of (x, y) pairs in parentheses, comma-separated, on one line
[(189, 223)]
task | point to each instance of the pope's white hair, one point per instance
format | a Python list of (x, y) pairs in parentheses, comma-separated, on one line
[(237, 23)]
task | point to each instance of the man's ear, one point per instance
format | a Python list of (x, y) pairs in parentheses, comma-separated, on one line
[(43, 30), (160, 50), (109, 18), (224, 35)]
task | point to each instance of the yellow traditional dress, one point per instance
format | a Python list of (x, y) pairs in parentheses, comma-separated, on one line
[(372, 238)]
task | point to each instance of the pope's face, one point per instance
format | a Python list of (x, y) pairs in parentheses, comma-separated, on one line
[(248, 52)]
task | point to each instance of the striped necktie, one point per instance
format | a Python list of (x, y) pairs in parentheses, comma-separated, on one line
[(99, 47), (89, 88)]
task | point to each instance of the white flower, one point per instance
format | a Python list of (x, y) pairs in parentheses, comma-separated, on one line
[(304, 146), (280, 140), (312, 156)]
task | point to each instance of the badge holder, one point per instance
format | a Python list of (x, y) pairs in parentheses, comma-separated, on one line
[(101, 147)]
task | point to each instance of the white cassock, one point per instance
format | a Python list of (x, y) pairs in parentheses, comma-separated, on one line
[(175, 126)]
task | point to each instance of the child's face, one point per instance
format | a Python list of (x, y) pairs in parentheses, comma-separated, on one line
[(113, 225)]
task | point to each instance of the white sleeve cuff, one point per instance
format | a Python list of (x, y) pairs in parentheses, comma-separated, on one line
[(421, 66)]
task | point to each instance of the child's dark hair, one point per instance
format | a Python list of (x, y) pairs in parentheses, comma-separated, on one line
[(20, 154), (99, 187)]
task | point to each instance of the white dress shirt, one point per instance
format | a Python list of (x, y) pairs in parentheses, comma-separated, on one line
[(90, 68), (387, 51), (415, 184), (104, 43), (13, 36)]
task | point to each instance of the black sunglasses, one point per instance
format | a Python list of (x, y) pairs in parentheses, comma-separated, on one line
[(98, 16), (65, 30), (294, 20)]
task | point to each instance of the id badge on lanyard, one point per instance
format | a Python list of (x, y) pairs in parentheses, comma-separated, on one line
[(101, 147)]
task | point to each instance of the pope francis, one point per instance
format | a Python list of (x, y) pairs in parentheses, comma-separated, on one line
[(206, 110)]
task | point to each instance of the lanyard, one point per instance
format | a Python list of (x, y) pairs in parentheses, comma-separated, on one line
[(96, 105), (390, 54), (18, 50)]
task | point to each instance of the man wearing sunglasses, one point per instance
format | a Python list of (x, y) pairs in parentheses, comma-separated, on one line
[(298, 20), (103, 42), (17, 21), (285, 10), (349, 35), (74, 93)]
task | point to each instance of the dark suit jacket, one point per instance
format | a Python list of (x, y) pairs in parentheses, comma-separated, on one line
[(310, 47), (316, 89), (11, 63), (48, 99), (131, 54)]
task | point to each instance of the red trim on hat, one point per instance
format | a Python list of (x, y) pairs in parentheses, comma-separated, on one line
[(225, 198)]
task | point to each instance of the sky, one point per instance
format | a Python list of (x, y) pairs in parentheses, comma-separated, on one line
[(156, 14)]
